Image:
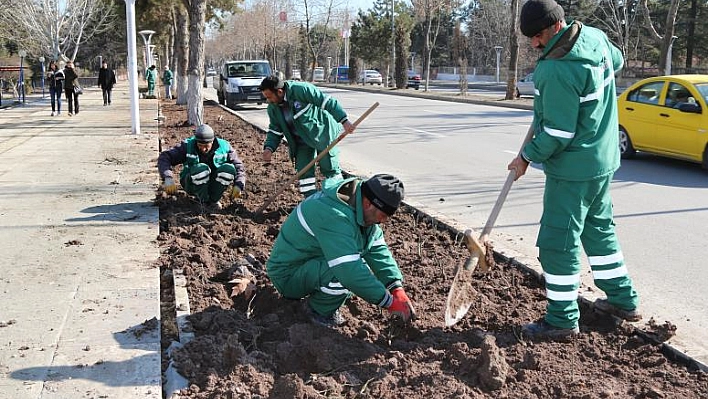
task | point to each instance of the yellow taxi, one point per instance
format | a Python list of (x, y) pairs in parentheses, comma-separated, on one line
[(667, 116)]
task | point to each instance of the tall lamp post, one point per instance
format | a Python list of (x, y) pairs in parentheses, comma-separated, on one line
[(329, 67), (393, 42), (669, 56), (22, 54), (147, 35), (498, 49), (41, 61)]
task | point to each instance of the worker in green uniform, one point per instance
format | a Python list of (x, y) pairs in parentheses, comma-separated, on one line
[(209, 166), (576, 139), (331, 246), (310, 121)]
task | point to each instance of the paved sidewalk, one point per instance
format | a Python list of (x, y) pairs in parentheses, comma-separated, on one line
[(79, 295)]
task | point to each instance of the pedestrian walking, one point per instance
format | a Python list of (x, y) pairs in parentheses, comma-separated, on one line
[(106, 80), (71, 81), (209, 166), (310, 121), (332, 247), (167, 78), (55, 77), (576, 139)]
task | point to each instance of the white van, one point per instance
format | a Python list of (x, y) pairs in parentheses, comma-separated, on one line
[(239, 82), (318, 75)]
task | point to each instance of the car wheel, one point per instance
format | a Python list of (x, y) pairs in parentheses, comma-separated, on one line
[(627, 150), (220, 97)]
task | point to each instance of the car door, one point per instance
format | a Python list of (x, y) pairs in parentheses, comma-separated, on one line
[(677, 132), (639, 112)]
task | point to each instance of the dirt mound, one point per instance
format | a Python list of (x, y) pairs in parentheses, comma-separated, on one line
[(262, 346)]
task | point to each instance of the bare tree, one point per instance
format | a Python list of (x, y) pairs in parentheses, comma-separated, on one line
[(195, 71), (619, 20), (431, 14), (56, 27), (513, 51), (667, 39)]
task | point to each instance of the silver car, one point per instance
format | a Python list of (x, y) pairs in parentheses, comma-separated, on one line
[(524, 87), (370, 76)]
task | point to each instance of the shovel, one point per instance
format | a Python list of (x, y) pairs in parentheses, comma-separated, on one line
[(314, 161), (461, 295)]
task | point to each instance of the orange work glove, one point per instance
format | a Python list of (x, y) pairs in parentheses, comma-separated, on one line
[(402, 306)]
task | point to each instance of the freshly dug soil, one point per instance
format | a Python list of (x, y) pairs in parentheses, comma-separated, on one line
[(262, 346)]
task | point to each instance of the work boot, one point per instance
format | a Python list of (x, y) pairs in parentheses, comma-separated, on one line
[(213, 206), (331, 321), (604, 306), (541, 329)]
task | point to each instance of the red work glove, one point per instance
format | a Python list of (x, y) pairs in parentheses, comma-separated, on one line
[(402, 306)]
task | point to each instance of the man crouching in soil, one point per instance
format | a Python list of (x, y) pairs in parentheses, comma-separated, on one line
[(329, 246)]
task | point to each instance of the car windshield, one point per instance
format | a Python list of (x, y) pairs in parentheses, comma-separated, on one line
[(245, 69), (703, 89)]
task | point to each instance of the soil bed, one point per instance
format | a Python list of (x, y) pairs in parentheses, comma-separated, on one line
[(265, 347)]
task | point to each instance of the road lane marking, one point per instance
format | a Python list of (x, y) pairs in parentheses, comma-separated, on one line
[(424, 132)]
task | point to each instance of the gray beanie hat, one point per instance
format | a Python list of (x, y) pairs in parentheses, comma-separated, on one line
[(384, 191), (537, 15), (204, 134)]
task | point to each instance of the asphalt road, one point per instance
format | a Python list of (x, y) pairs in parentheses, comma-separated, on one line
[(452, 158)]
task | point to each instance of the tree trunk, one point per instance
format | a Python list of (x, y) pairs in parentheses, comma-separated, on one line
[(513, 52), (181, 53), (195, 72)]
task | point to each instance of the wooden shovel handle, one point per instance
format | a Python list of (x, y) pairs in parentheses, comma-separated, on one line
[(322, 153), (502, 195)]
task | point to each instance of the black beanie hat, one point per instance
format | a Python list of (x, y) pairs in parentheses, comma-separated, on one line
[(204, 134), (537, 15), (384, 191), (272, 82)]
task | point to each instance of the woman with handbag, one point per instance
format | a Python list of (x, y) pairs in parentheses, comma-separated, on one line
[(72, 89)]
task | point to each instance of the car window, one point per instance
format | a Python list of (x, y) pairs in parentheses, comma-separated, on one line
[(702, 89), (678, 94), (646, 94), (247, 69)]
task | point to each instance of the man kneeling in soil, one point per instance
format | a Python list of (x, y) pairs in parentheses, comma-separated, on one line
[(210, 166), (331, 247)]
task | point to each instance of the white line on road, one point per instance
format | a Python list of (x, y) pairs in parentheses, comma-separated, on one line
[(424, 132)]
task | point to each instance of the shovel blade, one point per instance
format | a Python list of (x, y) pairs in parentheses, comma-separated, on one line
[(462, 294)]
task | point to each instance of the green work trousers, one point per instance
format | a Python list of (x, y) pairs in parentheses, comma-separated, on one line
[(329, 167), (313, 279), (575, 213), (207, 186)]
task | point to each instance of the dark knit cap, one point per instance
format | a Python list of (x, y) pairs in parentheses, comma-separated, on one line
[(272, 82), (384, 191), (204, 134), (537, 15)]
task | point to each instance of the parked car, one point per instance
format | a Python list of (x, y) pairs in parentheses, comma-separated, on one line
[(339, 74), (209, 77), (370, 76), (525, 87), (413, 80), (318, 75), (296, 75), (667, 116)]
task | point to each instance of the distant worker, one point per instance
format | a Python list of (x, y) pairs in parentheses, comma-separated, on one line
[(151, 78), (576, 139), (310, 121), (167, 78), (331, 247), (210, 166)]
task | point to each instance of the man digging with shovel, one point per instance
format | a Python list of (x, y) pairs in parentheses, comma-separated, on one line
[(576, 139), (309, 120), (331, 247)]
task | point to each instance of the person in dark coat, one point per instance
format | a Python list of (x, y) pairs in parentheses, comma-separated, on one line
[(55, 77), (70, 81), (106, 79)]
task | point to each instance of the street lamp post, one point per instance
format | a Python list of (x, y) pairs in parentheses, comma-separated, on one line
[(22, 54), (393, 42), (41, 61), (147, 35), (329, 67), (498, 49), (669, 56)]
